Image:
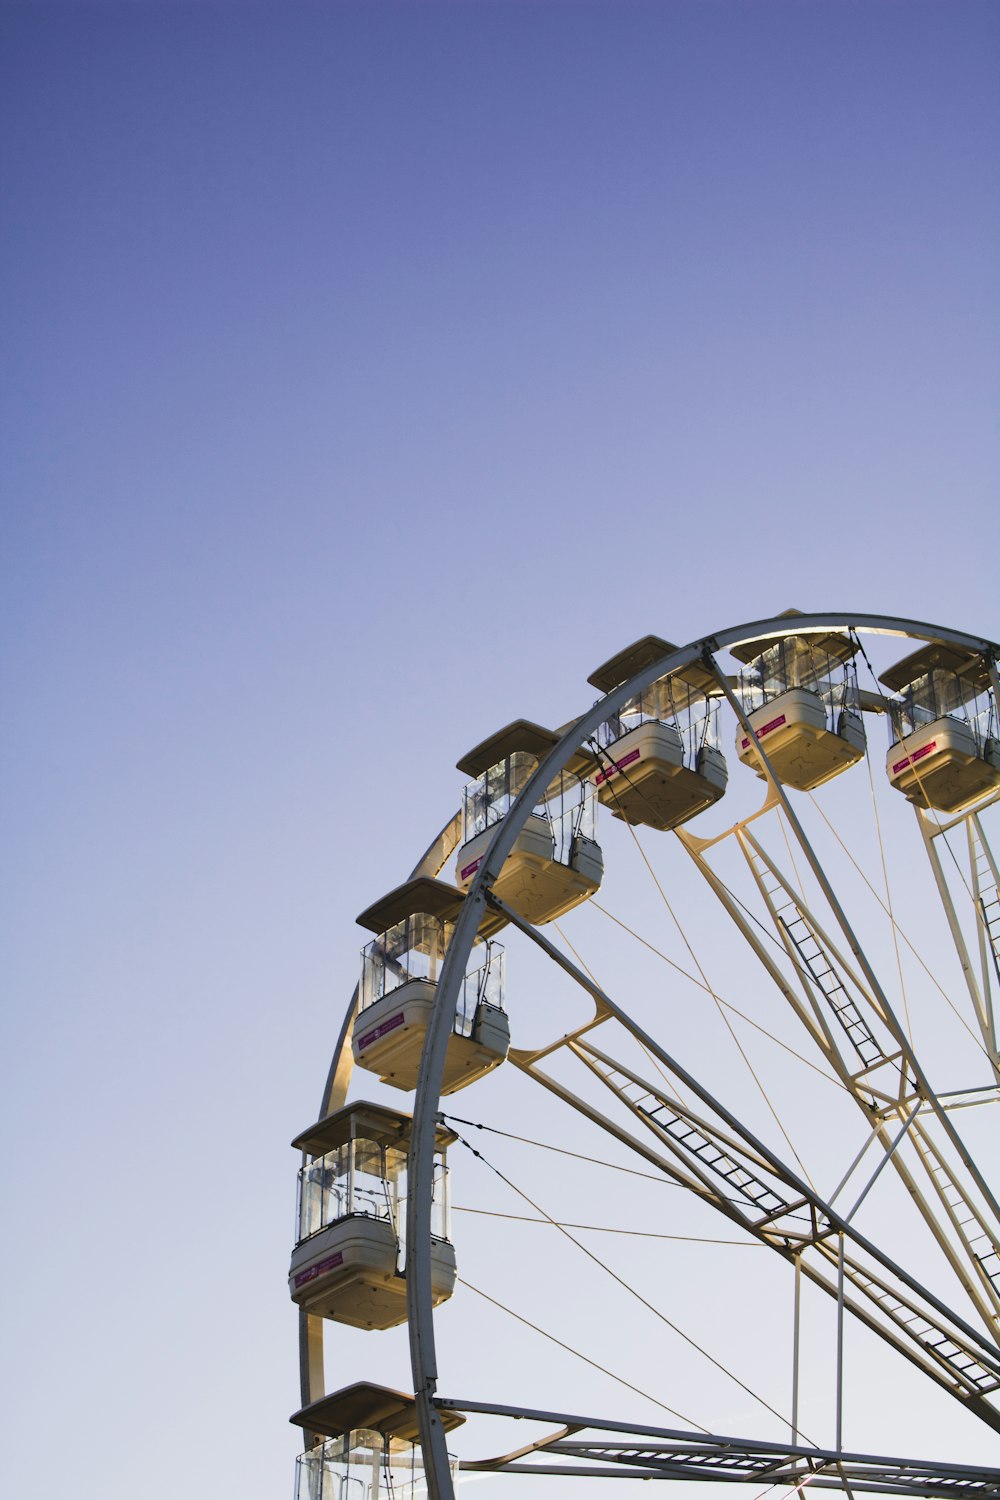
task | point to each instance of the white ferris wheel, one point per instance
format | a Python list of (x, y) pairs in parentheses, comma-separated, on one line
[(752, 1010)]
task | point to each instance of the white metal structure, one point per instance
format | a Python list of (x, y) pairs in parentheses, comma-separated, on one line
[(844, 984)]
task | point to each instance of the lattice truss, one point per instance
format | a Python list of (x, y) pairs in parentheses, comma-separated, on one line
[(592, 1448)]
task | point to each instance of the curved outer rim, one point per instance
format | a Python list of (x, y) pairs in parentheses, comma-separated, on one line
[(427, 1100)]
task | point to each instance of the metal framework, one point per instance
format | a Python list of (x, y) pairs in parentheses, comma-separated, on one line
[(615, 1450), (818, 962), (716, 1157)]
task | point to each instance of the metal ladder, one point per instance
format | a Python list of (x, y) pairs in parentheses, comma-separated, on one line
[(990, 910), (929, 1335), (987, 895), (663, 1112), (755, 1190), (828, 982), (812, 957), (977, 1240)]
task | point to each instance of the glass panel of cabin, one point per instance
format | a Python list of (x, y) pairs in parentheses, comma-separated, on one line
[(363, 1465), (701, 729), (570, 805), (933, 696), (359, 1177), (560, 808), (669, 700), (415, 949), (612, 729), (441, 1201), (497, 791), (796, 663), (375, 1180), (522, 767), (489, 977), (384, 964), (941, 694), (344, 1468), (473, 810), (406, 1470), (586, 823), (465, 1006), (324, 1191), (981, 711), (429, 938), (490, 798), (440, 1207), (484, 982), (411, 949), (751, 689)]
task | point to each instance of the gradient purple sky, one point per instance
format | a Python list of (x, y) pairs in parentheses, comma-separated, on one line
[(371, 372)]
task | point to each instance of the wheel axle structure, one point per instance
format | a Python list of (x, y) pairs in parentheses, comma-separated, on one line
[(865, 953)]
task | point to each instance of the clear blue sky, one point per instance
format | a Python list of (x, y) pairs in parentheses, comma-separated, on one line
[(372, 372)]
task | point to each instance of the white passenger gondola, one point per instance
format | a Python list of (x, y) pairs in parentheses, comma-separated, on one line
[(399, 971), (945, 750), (347, 1261), (800, 694), (556, 862), (659, 762), (366, 1446)]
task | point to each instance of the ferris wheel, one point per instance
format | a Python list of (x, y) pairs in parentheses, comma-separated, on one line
[(764, 982)]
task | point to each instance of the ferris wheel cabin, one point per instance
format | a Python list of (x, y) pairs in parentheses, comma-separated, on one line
[(659, 761), (800, 695), (347, 1263), (399, 972), (366, 1446), (945, 751), (556, 862)]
